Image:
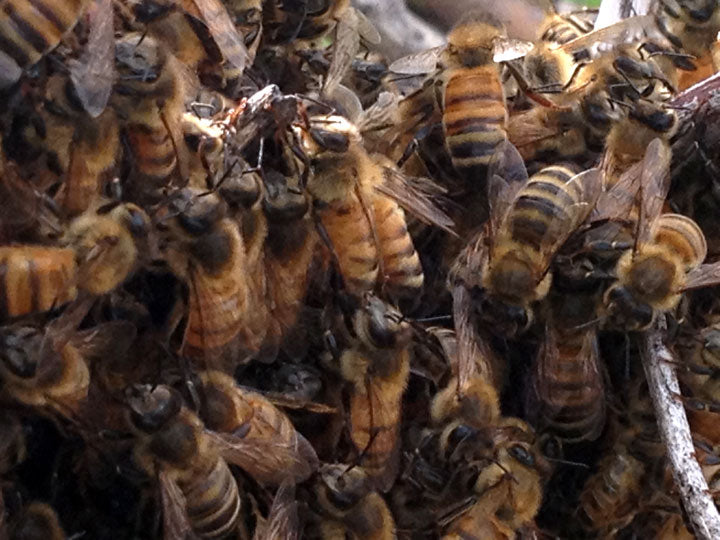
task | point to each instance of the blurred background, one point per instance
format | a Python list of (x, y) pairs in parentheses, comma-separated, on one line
[(519, 16)]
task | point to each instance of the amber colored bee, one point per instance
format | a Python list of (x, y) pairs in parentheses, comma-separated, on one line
[(290, 248), (50, 367), (378, 367), (350, 189), (609, 500), (254, 434), (198, 492), (38, 520), (508, 490), (148, 98), (205, 249), (666, 258), (31, 31), (86, 147), (560, 28), (347, 497), (529, 224)]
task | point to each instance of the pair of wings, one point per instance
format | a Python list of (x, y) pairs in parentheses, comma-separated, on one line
[(93, 73)]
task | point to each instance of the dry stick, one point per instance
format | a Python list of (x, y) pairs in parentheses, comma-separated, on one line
[(659, 366)]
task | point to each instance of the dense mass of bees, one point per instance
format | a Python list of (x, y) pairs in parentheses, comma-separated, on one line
[(256, 281)]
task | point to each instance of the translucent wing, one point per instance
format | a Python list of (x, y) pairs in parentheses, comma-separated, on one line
[(380, 114), (466, 335), (270, 450), (618, 200), (223, 31), (415, 195), (705, 275), (93, 74), (282, 522), (344, 49), (507, 174), (420, 63), (654, 186), (629, 30), (508, 49), (175, 520), (366, 28)]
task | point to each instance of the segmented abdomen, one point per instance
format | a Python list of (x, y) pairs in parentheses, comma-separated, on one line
[(474, 119), (152, 146), (684, 237)]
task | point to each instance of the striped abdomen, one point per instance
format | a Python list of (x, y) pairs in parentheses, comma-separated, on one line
[(544, 205), (571, 389), (217, 299), (29, 29), (402, 272), (212, 501), (474, 119), (153, 150), (35, 279), (609, 499), (375, 423), (352, 238), (684, 237), (564, 28)]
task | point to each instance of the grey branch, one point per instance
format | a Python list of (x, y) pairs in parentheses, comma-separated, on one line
[(401, 30), (612, 11), (659, 366)]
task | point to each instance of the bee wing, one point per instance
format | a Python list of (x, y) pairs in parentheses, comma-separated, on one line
[(507, 174), (507, 49), (223, 31), (105, 341), (420, 63), (630, 30), (365, 27), (381, 114), (559, 229), (467, 338), (654, 186), (618, 200), (281, 400), (282, 521), (705, 275), (416, 196), (175, 520), (345, 47), (93, 74)]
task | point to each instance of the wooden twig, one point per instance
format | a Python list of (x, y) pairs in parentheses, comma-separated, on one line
[(659, 366), (401, 30)]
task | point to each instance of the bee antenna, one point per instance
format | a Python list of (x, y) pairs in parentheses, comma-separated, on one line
[(434, 319), (568, 462)]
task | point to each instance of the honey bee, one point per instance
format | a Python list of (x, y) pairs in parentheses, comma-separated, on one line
[(204, 141), (38, 520), (377, 366), (290, 248), (525, 235), (253, 434), (508, 491), (559, 28), (609, 500), (474, 123), (198, 492), (666, 258), (347, 497), (149, 100), (30, 32), (85, 147), (101, 252), (50, 368), (205, 249), (359, 208)]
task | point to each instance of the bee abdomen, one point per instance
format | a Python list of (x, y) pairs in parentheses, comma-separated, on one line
[(545, 200), (474, 118), (30, 29), (155, 155), (403, 273), (683, 236), (35, 279), (213, 502), (352, 239)]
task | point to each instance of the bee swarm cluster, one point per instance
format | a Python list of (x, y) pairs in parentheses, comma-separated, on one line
[(256, 281)]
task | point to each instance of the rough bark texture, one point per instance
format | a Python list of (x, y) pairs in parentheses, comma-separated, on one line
[(659, 366)]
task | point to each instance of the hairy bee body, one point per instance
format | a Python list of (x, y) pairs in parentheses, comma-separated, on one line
[(651, 279), (196, 481), (474, 111), (561, 29), (29, 30), (35, 279)]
